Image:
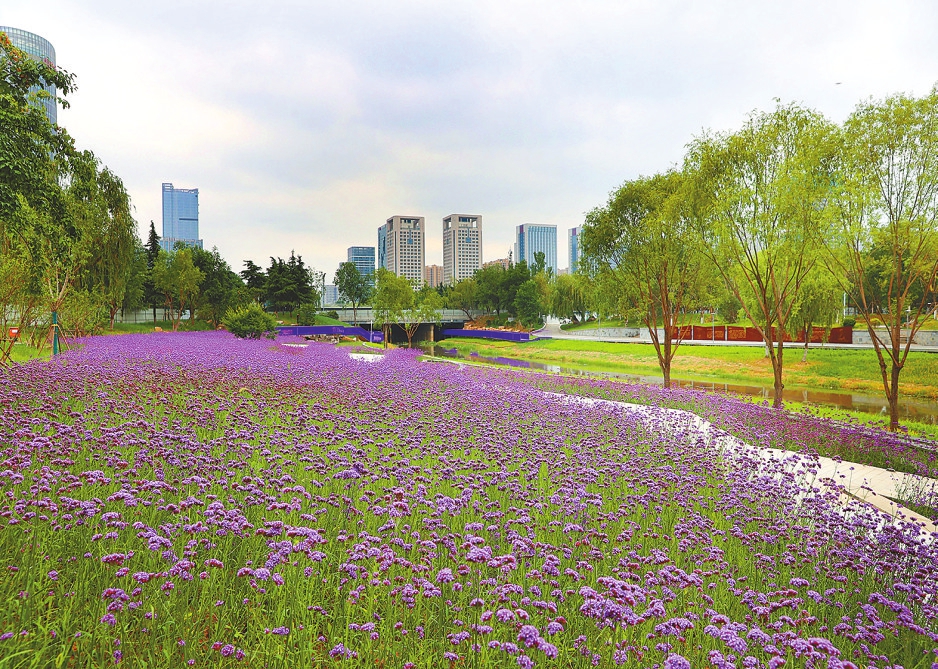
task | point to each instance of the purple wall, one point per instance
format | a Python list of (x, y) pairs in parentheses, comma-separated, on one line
[(489, 334)]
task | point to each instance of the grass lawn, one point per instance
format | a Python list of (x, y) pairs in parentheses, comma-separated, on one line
[(826, 369), (23, 352)]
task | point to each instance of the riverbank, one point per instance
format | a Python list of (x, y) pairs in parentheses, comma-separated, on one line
[(826, 371)]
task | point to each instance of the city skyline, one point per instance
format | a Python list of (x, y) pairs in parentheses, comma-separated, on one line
[(541, 113)]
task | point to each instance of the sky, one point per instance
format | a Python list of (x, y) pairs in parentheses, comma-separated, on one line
[(305, 124)]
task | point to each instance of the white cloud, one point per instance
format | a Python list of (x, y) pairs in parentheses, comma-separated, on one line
[(305, 125)]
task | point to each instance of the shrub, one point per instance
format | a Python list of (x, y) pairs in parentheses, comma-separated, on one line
[(849, 322), (306, 314), (334, 315), (250, 322)]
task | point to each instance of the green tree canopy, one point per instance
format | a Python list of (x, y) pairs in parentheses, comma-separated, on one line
[(883, 244), (354, 286), (641, 241), (758, 199), (177, 278)]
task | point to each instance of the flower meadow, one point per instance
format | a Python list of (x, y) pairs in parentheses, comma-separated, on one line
[(180, 500)]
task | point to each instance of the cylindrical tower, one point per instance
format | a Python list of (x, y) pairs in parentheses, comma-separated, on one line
[(40, 49)]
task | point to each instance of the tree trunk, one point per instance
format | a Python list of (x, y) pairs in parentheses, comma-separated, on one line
[(892, 395), (666, 358), (777, 372)]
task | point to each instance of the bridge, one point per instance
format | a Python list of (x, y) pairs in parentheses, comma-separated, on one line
[(365, 327), (365, 316)]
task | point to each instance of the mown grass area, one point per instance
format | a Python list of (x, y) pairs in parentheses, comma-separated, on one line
[(845, 370), (839, 370), (23, 352)]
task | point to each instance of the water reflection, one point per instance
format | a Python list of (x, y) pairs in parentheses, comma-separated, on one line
[(922, 411)]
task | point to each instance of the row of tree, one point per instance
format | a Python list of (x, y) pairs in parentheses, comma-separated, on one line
[(787, 215)]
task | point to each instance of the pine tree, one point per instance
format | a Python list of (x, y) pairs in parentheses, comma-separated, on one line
[(151, 294)]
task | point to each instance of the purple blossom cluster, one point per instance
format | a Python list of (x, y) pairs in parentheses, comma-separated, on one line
[(193, 499)]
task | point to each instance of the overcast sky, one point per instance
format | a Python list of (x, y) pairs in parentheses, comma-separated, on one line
[(305, 125)]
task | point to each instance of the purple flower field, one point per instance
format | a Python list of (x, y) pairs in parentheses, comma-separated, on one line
[(192, 499)]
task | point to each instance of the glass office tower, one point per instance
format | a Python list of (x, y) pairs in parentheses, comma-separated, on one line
[(533, 238), (364, 259), (574, 247), (180, 217), (41, 49)]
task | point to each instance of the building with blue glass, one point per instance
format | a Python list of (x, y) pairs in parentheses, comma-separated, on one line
[(574, 249), (39, 49), (180, 217), (364, 259), (382, 250), (533, 238)]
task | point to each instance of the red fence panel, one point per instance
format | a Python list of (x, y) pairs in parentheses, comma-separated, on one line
[(841, 336)]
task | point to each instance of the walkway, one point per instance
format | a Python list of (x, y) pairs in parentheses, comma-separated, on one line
[(552, 329)]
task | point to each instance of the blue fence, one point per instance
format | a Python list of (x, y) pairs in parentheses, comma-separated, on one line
[(489, 334), (330, 330)]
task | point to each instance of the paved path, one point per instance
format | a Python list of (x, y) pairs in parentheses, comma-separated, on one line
[(552, 329)]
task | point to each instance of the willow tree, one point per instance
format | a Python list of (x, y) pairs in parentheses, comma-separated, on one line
[(641, 241), (100, 206), (33, 153), (758, 199), (885, 212)]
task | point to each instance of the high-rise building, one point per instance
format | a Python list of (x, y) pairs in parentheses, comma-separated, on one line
[(405, 246), (462, 246), (364, 259), (574, 249), (532, 238), (382, 250), (39, 49), (433, 275), (180, 217)]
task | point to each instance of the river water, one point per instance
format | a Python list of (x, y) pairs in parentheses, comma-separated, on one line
[(921, 411)]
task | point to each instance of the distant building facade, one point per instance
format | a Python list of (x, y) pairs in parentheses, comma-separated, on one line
[(364, 259), (504, 262), (180, 217), (405, 246), (532, 238), (39, 49), (330, 296), (433, 275), (574, 249), (462, 247)]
